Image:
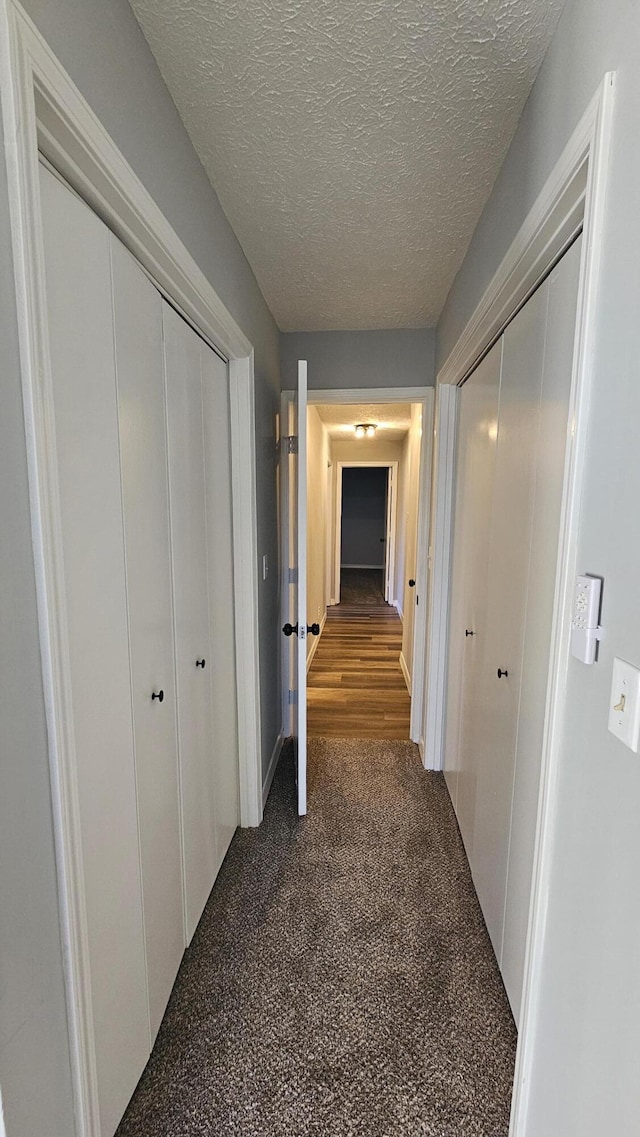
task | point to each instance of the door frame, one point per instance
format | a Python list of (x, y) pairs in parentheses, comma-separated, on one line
[(572, 200), (392, 467), (43, 111), (348, 396)]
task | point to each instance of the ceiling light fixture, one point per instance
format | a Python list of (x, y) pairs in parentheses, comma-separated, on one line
[(365, 429)]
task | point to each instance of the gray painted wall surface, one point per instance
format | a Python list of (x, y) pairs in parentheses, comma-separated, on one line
[(34, 1059), (585, 1078), (103, 49), (364, 516), (403, 357)]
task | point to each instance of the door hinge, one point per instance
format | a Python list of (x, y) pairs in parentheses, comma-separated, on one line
[(293, 576), (289, 443), (293, 698)]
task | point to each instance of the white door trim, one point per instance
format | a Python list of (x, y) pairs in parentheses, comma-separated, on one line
[(42, 109), (572, 198), (349, 395), (422, 615), (390, 465)]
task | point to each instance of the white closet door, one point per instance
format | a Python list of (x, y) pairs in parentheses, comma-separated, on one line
[(78, 287), (510, 541), (183, 377), (480, 399), (140, 384), (217, 427), (549, 475)]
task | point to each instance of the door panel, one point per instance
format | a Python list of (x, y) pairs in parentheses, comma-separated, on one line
[(222, 675), (498, 698), (78, 287), (550, 464), (477, 436), (143, 455), (300, 482), (185, 437)]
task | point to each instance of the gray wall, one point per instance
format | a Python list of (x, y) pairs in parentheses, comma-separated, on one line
[(102, 47), (364, 514), (403, 357), (585, 1079)]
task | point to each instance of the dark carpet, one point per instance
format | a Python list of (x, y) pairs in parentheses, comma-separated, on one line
[(341, 982), (361, 586)]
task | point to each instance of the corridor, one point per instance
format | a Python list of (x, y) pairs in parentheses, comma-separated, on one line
[(356, 688), (341, 980)]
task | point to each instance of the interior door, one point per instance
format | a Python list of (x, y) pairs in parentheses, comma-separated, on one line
[(509, 549), (191, 611), (145, 496), (296, 627)]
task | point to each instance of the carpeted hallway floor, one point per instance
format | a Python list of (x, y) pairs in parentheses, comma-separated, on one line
[(341, 982), (362, 586)]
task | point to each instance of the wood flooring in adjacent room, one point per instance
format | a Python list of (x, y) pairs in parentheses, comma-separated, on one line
[(356, 688)]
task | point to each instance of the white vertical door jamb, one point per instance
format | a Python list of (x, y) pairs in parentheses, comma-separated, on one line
[(301, 549), (439, 558), (418, 663)]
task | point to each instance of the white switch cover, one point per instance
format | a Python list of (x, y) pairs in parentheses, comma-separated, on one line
[(624, 706)]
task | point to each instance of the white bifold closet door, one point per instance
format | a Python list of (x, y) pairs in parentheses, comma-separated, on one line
[(477, 436), (512, 440), (200, 492), (100, 720), (141, 453), (143, 459)]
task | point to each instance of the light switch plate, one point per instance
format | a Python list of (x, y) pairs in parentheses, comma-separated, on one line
[(624, 703)]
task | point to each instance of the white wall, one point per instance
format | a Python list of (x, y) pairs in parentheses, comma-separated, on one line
[(317, 529), (396, 357), (585, 1077)]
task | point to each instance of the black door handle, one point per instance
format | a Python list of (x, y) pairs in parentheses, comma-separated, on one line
[(468, 633), (314, 629), (201, 663), (290, 629), (412, 583), (159, 695), (501, 673)]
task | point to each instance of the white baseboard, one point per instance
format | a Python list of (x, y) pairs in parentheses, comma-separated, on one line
[(271, 768), (316, 641), (398, 607), (405, 672)]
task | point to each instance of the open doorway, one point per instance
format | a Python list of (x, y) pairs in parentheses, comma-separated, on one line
[(367, 468), (365, 532)]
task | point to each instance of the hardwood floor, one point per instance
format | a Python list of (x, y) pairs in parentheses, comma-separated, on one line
[(356, 688)]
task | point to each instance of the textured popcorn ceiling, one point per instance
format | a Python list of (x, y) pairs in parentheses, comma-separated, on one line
[(352, 143), (392, 419)]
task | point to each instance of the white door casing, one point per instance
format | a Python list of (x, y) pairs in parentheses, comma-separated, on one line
[(391, 522)]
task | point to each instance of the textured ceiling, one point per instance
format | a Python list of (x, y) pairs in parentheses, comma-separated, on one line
[(352, 143), (392, 419)]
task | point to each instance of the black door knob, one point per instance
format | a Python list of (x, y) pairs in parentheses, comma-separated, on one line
[(412, 584), (314, 629), (159, 695), (290, 629), (468, 633), (201, 663), (501, 673)]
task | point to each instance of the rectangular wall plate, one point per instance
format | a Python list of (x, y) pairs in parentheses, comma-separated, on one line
[(624, 703)]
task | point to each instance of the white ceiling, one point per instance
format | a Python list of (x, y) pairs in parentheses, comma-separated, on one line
[(392, 419), (352, 143)]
